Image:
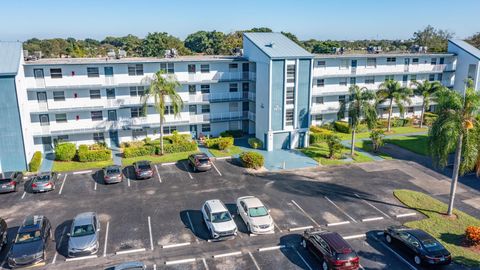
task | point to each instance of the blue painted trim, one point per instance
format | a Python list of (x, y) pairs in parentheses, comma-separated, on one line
[(21, 126)]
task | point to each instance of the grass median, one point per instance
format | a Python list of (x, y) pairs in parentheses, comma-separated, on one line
[(173, 157), (65, 166), (231, 151), (449, 231), (414, 143), (319, 152)]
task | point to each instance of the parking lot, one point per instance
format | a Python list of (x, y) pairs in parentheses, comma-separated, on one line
[(158, 220)]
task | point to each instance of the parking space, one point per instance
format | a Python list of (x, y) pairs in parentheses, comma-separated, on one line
[(285, 258)]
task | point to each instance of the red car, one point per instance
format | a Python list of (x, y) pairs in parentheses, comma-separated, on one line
[(331, 249)]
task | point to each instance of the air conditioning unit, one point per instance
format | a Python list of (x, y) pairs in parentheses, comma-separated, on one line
[(121, 54)]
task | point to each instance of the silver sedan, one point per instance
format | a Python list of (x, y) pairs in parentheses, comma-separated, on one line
[(44, 182)]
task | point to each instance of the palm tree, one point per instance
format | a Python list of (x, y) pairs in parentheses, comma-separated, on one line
[(453, 130), (362, 104), (426, 90), (393, 92), (162, 86)]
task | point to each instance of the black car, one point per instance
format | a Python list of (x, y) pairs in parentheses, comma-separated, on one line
[(31, 241), (9, 181), (143, 169), (200, 162), (424, 248), (3, 233), (332, 250)]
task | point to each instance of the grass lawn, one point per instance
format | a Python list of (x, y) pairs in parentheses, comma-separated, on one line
[(319, 152), (63, 166), (395, 130), (231, 151), (450, 232), (415, 143), (366, 145), (158, 159)]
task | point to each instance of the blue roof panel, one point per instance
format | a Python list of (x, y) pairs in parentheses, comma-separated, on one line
[(466, 47), (276, 45), (10, 54)]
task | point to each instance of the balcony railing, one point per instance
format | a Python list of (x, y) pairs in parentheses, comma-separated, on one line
[(217, 97), (229, 116)]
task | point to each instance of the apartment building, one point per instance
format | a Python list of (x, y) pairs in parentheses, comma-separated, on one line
[(275, 90)]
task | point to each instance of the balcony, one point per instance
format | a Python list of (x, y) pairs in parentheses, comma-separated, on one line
[(231, 116), (233, 96)]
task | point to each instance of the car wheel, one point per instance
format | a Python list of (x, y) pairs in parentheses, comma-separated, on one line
[(324, 265), (417, 260), (388, 238), (304, 243)]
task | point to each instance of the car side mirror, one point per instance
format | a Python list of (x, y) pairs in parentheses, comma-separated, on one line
[(68, 234), (269, 210)]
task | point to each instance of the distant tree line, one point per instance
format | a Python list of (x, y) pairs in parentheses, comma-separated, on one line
[(215, 42)]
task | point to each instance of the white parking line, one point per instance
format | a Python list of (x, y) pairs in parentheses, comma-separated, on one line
[(355, 236), (83, 172), (176, 245), (190, 260), (95, 187), (341, 210), (129, 251), (159, 177), (398, 256), (306, 214), (373, 206), (271, 248), (63, 183), (405, 215), (205, 264), (300, 228), (128, 181), (81, 258), (338, 223), (276, 226), (254, 261), (24, 193), (106, 240), (191, 227), (168, 163), (154, 267), (301, 257), (58, 244), (372, 219), (150, 231), (235, 253), (216, 169), (186, 169)]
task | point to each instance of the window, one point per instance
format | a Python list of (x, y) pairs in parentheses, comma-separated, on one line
[(413, 78), (353, 80), (233, 66), (389, 77), (233, 87), (370, 80), (415, 61), (411, 110), (135, 70), (433, 61), (431, 77), (192, 109), (233, 106), (137, 91), (98, 137), (290, 99), (137, 112), (167, 68), (58, 95), (92, 72), (206, 128), (97, 115), (321, 64), (205, 68), (108, 71), (371, 62), (56, 73), (318, 117), (318, 100), (245, 87), (192, 89), (320, 82), (341, 99), (61, 118), (405, 78), (62, 138), (38, 73), (110, 93), (169, 130), (169, 110), (289, 117), (205, 108), (44, 120), (112, 115), (191, 68), (343, 64), (391, 60), (205, 88), (342, 81), (290, 73), (439, 77), (95, 94), (138, 133)]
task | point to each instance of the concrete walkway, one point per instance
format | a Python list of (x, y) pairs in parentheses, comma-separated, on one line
[(117, 155), (204, 149), (47, 162)]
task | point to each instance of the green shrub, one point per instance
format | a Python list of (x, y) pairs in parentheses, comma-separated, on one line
[(252, 160), (382, 123), (215, 142), (85, 154), (97, 146), (334, 146), (139, 151), (176, 138), (377, 136), (35, 162), (147, 140), (65, 151), (225, 144), (320, 135), (255, 143), (177, 147), (429, 118), (232, 133), (342, 127), (132, 144), (362, 128)]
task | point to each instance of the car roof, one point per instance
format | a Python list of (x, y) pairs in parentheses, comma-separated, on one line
[(334, 240), (83, 218), (112, 167), (216, 206), (420, 235), (33, 222), (200, 155), (7, 175), (142, 162), (252, 201)]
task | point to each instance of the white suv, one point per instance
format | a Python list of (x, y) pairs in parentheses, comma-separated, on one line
[(255, 215), (218, 220)]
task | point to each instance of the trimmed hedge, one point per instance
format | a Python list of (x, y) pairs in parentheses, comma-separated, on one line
[(65, 151), (319, 135), (395, 122), (342, 127), (36, 161), (84, 154), (145, 150), (232, 133), (177, 147), (219, 143), (255, 143), (252, 160)]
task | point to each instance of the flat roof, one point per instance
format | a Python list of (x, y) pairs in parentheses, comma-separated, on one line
[(127, 60), (466, 47), (276, 45), (10, 56), (361, 54)]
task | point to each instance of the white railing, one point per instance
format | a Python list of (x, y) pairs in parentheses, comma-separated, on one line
[(228, 116), (199, 98), (199, 118)]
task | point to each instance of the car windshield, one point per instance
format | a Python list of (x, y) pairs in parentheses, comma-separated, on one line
[(27, 237), (144, 166), (346, 256), (257, 211), (83, 230), (42, 178), (203, 160), (113, 171), (432, 245), (221, 217)]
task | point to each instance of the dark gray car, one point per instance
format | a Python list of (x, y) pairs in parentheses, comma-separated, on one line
[(9, 181), (31, 242), (143, 169), (128, 266), (112, 174), (83, 237), (44, 182), (200, 162), (3, 233)]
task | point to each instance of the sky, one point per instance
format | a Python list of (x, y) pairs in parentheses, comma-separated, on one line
[(318, 19)]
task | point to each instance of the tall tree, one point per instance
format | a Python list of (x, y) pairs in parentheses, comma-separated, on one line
[(435, 40), (426, 90), (392, 92), (155, 44), (162, 87), (474, 40), (362, 105), (454, 131)]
